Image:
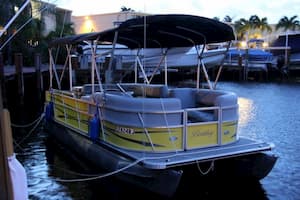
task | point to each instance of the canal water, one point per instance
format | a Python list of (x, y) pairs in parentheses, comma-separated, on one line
[(268, 112)]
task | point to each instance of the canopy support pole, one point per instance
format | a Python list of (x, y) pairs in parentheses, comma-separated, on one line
[(70, 66), (136, 67), (50, 68), (206, 74), (166, 68), (53, 69), (108, 77), (142, 69), (163, 58), (221, 66)]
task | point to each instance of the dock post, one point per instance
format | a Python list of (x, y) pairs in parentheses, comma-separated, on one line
[(19, 76), (37, 64), (246, 64), (6, 191), (75, 66), (240, 67), (287, 57), (2, 81)]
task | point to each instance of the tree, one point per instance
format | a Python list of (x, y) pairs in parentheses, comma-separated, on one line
[(247, 27), (263, 25), (125, 9), (259, 24), (26, 31), (241, 26), (228, 19), (62, 29), (288, 23), (216, 18), (13, 42)]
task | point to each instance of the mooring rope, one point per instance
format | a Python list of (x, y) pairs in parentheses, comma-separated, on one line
[(38, 121), (27, 125), (94, 177), (100, 176), (211, 167)]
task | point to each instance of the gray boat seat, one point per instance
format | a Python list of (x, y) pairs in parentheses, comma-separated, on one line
[(87, 89), (186, 96), (142, 112), (206, 97), (151, 90)]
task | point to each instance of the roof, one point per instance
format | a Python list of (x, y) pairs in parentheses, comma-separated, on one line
[(160, 31)]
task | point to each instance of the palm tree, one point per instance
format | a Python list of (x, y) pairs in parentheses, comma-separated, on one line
[(288, 23), (216, 18), (228, 19), (242, 26), (260, 24), (125, 9), (263, 25)]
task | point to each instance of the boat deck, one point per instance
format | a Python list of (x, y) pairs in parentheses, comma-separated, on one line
[(243, 146)]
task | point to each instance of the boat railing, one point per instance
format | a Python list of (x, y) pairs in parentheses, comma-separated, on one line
[(217, 111), (70, 110), (189, 120), (215, 132)]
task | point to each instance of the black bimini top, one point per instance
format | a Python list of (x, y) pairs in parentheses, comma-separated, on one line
[(160, 31)]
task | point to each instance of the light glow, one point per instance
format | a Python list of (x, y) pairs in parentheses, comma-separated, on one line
[(243, 44), (265, 45), (88, 25)]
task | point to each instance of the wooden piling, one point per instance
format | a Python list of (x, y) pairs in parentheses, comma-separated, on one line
[(37, 64), (240, 68), (6, 190), (2, 81), (246, 64), (19, 76)]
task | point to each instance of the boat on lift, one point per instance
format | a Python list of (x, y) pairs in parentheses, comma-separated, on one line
[(148, 133)]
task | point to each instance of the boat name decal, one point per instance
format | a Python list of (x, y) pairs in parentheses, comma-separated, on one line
[(202, 133), (124, 130)]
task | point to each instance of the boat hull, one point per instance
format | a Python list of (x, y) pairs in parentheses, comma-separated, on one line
[(166, 181), (162, 182)]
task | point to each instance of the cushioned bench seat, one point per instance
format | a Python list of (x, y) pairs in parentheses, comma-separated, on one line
[(142, 112), (193, 98)]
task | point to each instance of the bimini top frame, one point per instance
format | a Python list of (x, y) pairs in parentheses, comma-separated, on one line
[(157, 31)]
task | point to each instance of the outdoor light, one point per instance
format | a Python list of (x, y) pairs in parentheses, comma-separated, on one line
[(243, 44), (265, 45), (16, 8), (88, 25)]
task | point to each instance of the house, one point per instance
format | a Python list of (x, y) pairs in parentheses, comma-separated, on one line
[(50, 15), (100, 22)]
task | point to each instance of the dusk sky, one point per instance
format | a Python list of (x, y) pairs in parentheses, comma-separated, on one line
[(236, 9)]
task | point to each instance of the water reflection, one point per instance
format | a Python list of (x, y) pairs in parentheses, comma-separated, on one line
[(276, 120), (246, 113)]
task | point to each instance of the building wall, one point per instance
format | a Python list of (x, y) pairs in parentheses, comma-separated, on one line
[(100, 22), (48, 12), (49, 20)]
